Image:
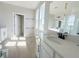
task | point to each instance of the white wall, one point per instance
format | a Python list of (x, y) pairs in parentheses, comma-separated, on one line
[(6, 16)]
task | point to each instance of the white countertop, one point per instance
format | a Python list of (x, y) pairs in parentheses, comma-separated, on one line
[(65, 48)]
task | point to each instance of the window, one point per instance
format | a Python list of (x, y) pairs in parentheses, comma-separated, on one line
[(71, 20), (21, 43), (40, 17), (14, 38), (16, 41), (37, 18), (22, 38)]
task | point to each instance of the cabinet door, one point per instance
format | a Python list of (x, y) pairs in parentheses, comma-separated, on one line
[(43, 53), (48, 50), (57, 55)]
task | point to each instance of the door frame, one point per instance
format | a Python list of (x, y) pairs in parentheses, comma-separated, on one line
[(14, 13)]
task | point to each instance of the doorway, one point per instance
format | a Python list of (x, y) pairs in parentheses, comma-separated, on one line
[(19, 25)]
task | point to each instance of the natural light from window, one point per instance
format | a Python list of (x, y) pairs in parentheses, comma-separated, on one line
[(21, 43), (16, 41), (11, 43), (71, 20), (14, 38), (21, 38)]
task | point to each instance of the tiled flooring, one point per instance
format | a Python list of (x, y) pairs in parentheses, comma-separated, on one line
[(28, 51)]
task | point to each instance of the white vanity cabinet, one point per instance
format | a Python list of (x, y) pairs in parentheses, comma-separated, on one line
[(43, 53), (47, 52), (57, 55)]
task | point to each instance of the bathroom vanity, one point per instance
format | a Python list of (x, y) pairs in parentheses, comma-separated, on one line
[(54, 47), (60, 23)]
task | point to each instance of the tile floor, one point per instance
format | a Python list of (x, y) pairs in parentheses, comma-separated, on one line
[(20, 51)]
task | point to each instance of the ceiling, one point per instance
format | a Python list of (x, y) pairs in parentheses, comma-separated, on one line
[(26, 4), (57, 8)]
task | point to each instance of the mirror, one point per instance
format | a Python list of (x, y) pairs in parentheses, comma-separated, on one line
[(64, 17)]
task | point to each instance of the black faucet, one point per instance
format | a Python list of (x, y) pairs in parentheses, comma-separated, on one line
[(62, 35)]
